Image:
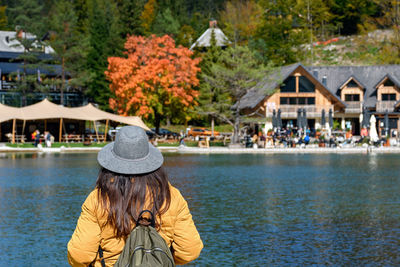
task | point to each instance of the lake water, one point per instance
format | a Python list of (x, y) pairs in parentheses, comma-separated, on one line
[(250, 210)]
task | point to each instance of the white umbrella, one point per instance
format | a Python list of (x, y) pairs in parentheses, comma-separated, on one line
[(372, 133)]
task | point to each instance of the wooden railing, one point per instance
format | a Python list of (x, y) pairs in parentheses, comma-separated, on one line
[(353, 107), (382, 106), (290, 111)]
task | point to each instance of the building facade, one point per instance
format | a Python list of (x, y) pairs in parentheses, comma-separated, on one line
[(345, 90), (48, 74)]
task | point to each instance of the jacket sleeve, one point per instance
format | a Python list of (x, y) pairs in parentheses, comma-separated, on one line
[(187, 244), (84, 243)]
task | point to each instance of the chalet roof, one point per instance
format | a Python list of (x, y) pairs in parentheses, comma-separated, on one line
[(205, 39), (352, 77), (369, 76), (48, 110), (259, 92), (390, 77), (255, 95)]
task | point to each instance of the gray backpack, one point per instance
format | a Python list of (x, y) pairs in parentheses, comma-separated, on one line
[(144, 247)]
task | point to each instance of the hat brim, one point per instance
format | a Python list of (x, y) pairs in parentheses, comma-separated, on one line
[(110, 161)]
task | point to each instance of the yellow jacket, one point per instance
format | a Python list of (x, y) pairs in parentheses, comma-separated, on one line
[(177, 229)]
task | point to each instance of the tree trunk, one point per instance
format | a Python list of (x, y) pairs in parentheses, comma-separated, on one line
[(157, 122), (212, 126), (168, 121), (236, 128), (62, 80)]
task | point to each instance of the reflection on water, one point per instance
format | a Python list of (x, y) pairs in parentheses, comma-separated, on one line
[(251, 210)]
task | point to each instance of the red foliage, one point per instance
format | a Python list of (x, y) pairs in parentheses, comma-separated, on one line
[(154, 74)]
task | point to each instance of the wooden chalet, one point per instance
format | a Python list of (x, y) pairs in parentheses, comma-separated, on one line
[(346, 90)]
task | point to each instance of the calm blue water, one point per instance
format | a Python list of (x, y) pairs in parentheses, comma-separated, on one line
[(250, 210)]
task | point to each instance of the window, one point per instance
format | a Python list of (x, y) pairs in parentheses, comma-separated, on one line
[(393, 123), (351, 98), (388, 82), (292, 100), (388, 97), (305, 85), (289, 85), (352, 84), (297, 100), (284, 100)]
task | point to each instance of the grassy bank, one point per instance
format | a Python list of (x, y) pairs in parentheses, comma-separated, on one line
[(160, 144)]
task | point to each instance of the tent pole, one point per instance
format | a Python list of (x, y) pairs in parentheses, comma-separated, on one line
[(105, 131), (13, 132), (61, 123), (23, 126), (0, 131), (97, 133), (45, 125), (23, 132)]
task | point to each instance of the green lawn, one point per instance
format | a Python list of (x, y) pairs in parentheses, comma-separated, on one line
[(56, 145)]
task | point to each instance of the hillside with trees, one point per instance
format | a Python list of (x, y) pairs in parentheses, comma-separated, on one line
[(89, 36)]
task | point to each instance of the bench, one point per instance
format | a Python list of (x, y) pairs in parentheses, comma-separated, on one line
[(72, 138), (19, 138), (93, 138)]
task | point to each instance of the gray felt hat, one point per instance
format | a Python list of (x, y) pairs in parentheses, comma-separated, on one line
[(130, 153)]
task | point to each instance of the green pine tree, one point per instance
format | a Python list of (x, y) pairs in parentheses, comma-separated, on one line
[(130, 12), (232, 76), (3, 19), (28, 21), (165, 23), (104, 41), (70, 45), (210, 96), (276, 39)]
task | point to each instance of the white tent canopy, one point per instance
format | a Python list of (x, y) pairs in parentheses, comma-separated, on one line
[(45, 110), (48, 110)]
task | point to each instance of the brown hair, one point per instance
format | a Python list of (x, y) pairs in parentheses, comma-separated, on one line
[(124, 197)]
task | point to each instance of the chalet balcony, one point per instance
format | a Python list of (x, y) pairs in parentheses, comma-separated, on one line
[(353, 107), (290, 111), (382, 106)]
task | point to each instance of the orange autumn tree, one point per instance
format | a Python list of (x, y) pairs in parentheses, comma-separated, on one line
[(155, 78)]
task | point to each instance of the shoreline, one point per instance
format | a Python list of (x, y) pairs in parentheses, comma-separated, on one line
[(220, 150)]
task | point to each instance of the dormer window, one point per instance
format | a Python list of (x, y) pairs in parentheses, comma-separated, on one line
[(352, 97), (352, 90), (388, 97), (352, 84), (388, 83)]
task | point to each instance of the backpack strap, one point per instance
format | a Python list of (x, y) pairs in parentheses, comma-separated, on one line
[(103, 263), (152, 219)]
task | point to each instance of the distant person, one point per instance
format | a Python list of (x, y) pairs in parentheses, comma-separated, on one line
[(131, 179), (308, 131), (306, 139), (37, 138), (47, 137), (182, 141), (33, 136)]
